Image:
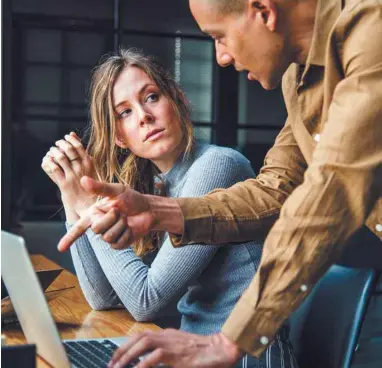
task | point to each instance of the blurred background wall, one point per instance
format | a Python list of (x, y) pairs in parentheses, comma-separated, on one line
[(49, 50)]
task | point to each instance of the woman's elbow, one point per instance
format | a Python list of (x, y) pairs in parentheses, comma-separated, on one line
[(143, 318), (144, 315), (98, 304)]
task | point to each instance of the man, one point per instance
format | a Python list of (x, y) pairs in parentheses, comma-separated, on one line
[(324, 171)]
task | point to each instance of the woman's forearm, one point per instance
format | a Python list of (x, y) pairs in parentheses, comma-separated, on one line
[(94, 283), (74, 208), (70, 214)]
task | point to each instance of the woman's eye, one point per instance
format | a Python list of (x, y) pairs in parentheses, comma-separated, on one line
[(124, 113), (152, 97)]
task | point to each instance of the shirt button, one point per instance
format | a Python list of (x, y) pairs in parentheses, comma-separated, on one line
[(264, 340), (378, 227), (317, 137), (303, 288)]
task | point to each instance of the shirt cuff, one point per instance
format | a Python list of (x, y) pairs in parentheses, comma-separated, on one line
[(197, 222), (252, 330)]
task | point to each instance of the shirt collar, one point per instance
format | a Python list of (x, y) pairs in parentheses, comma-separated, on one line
[(327, 13)]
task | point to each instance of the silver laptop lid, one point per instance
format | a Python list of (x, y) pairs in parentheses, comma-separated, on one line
[(29, 301)]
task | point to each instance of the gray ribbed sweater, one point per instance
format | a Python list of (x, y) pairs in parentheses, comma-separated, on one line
[(208, 279)]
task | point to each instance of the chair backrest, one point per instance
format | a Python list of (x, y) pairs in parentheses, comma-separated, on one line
[(326, 327)]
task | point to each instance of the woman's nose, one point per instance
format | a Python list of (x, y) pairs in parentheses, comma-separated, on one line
[(145, 117)]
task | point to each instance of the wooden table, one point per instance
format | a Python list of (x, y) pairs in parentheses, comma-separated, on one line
[(73, 315)]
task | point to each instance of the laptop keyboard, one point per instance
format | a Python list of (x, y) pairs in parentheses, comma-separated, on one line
[(91, 353)]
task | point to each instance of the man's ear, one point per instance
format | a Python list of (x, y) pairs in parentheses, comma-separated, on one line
[(266, 9)]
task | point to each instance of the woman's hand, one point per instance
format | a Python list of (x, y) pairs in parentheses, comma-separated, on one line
[(65, 164)]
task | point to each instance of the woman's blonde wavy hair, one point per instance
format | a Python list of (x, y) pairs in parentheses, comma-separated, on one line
[(113, 164)]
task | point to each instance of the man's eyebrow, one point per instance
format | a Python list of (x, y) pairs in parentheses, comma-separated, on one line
[(144, 87)]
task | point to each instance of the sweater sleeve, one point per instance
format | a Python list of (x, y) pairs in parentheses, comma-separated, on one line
[(144, 290), (94, 284)]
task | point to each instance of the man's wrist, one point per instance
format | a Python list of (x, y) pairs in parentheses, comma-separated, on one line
[(230, 348), (167, 215)]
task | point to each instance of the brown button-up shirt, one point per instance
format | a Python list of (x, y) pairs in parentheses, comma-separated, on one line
[(324, 173)]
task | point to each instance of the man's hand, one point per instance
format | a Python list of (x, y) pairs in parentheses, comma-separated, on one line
[(119, 208), (178, 349)]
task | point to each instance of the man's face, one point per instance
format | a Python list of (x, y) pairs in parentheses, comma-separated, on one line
[(247, 40)]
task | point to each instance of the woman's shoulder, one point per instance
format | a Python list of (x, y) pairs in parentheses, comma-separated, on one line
[(214, 167), (210, 153), (219, 161)]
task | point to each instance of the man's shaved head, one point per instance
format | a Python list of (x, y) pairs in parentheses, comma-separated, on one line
[(228, 6), (262, 37)]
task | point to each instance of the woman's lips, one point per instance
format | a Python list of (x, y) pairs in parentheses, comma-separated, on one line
[(155, 135), (251, 76)]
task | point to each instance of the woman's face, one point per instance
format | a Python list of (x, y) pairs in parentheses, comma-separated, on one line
[(146, 122)]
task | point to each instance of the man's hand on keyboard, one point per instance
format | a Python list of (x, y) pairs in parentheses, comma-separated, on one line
[(177, 349)]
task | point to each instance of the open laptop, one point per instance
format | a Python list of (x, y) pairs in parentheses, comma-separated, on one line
[(35, 318)]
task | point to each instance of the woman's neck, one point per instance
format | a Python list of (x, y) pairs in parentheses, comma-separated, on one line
[(166, 163)]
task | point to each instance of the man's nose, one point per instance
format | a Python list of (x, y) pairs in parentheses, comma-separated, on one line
[(223, 58)]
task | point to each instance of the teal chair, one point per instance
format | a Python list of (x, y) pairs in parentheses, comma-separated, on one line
[(324, 330)]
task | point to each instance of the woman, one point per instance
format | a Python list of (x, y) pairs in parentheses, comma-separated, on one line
[(141, 135)]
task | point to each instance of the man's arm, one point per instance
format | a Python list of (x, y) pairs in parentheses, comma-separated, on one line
[(247, 210), (143, 213), (340, 189), (241, 213)]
